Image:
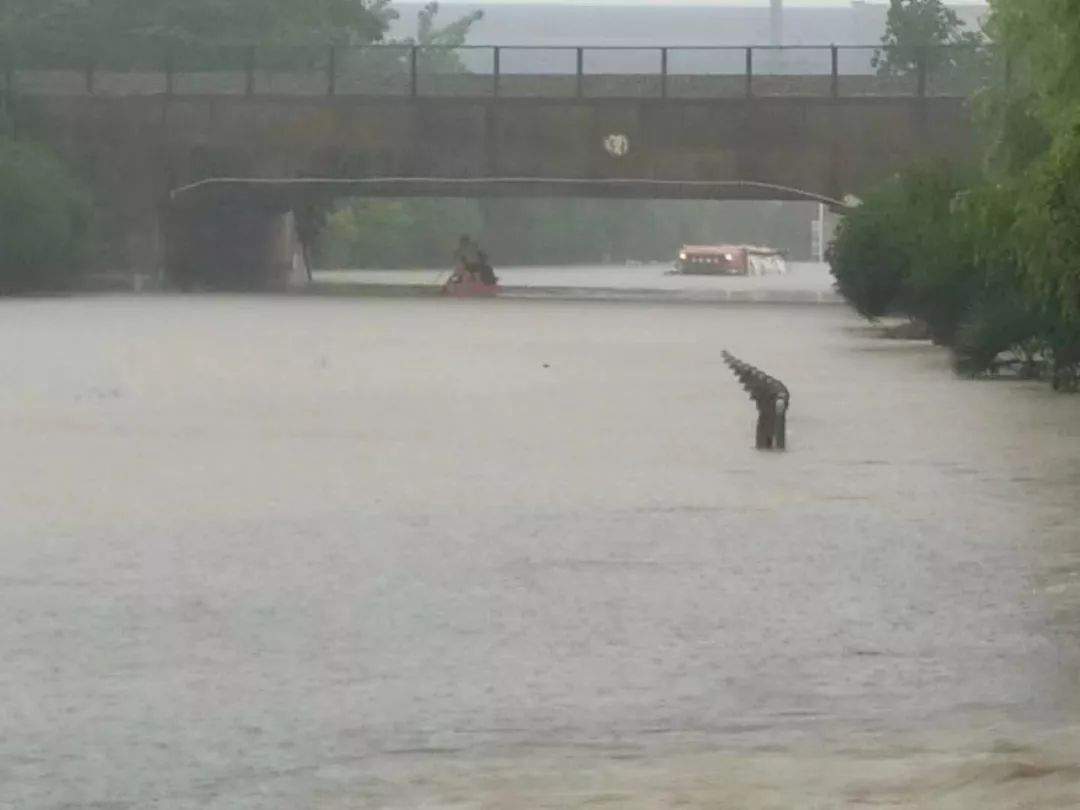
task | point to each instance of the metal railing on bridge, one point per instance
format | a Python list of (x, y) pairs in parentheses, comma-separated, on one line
[(503, 71)]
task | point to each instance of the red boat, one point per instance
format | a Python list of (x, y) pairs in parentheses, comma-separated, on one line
[(466, 284)]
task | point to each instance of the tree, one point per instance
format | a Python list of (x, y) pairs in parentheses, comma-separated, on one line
[(451, 35), (924, 32), (1048, 226), (46, 215), (79, 28), (437, 44), (869, 255), (1042, 38)]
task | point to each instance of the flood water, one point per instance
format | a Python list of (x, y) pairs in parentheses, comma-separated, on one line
[(291, 552), (805, 282)]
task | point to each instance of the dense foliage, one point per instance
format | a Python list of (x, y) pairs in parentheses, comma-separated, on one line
[(55, 24), (914, 247), (934, 246), (989, 260), (140, 33), (1043, 40), (870, 256), (925, 31), (45, 215)]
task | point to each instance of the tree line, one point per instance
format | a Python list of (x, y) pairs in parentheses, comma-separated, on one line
[(986, 257), (412, 233), (80, 24), (208, 34)]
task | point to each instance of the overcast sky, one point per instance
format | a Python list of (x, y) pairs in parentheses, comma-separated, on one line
[(743, 3)]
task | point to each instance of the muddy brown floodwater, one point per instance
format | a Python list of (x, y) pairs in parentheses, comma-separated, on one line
[(264, 552)]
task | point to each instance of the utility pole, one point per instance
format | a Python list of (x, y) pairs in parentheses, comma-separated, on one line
[(777, 62), (776, 22), (819, 233)]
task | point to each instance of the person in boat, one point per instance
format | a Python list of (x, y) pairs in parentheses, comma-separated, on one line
[(486, 271), (466, 258)]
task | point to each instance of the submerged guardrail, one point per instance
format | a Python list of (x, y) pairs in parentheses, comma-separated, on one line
[(772, 399)]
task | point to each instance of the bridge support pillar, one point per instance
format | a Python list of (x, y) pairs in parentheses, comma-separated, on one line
[(224, 247)]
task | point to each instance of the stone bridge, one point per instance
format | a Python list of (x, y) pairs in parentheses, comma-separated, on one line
[(267, 154)]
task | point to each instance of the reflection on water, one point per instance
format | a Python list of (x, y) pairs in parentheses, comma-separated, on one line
[(273, 552)]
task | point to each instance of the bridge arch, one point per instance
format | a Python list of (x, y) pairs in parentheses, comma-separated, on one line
[(284, 192)]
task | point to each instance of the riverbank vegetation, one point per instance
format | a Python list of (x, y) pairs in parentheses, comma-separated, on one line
[(45, 215), (988, 256)]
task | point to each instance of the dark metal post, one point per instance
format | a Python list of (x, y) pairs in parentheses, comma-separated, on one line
[(765, 430), (169, 70), (663, 73), (412, 71), (780, 424), (331, 71), (9, 96), (580, 72), (749, 72), (835, 87), (495, 68), (249, 71), (921, 67)]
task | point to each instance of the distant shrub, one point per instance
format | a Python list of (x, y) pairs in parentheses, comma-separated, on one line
[(871, 253), (45, 215)]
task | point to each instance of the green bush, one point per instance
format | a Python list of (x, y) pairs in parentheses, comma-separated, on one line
[(1000, 329), (45, 215), (1062, 341), (1048, 225), (869, 255), (925, 244), (952, 256), (992, 266), (896, 254)]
